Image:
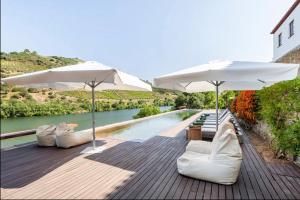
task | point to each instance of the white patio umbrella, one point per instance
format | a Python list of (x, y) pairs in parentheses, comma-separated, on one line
[(93, 74), (227, 75)]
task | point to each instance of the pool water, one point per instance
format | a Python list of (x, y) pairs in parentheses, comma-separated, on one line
[(144, 130), (139, 131)]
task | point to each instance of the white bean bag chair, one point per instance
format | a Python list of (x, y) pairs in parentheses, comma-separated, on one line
[(201, 146), (209, 131), (45, 135), (66, 137), (221, 166)]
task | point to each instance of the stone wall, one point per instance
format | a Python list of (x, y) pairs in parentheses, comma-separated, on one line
[(291, 57), (262, 128)]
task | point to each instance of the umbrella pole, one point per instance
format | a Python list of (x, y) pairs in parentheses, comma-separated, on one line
[(217, 105), (93, 113)]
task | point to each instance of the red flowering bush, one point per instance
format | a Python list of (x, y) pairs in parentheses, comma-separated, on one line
[(245, 106)]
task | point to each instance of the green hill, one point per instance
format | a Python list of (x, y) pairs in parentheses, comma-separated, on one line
[(17, 101), (14, 63)]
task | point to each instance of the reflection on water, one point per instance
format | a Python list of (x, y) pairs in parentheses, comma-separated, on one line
[(144, 130)]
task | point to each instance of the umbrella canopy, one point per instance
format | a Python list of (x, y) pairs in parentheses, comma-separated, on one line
[(75, 77), (227, 75), (235, 75), (88, 75)]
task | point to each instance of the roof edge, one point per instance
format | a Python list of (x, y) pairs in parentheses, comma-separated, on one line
[(286, 15)]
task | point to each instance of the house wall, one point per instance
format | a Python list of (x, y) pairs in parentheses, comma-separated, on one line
[(288, 43)]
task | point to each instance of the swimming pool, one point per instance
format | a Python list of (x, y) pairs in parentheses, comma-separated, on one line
[(144, 130), (139, 131)]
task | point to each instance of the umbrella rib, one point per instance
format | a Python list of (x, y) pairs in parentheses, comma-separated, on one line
[(187, 84), (261, 81)]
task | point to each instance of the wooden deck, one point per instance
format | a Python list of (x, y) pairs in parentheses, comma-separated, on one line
[(131, 170)]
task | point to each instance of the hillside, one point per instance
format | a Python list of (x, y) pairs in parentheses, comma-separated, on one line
[(17, 101), (14, 63)]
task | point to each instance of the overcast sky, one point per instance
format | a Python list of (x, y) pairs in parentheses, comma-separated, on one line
[(146, 38)]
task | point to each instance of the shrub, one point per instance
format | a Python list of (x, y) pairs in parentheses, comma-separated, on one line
[(246, 106), (15, 96), (32, 90), (23, 93), (187, 114), (19, 89), (279, 106), (52, 96), (233, 106), (147, 111)]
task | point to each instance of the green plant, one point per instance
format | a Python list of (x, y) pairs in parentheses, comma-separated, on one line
[(52, 96), (32, 90), (15, 96), (186, 114), (23, 93), (279, 106), (147, 111), (19, 89)]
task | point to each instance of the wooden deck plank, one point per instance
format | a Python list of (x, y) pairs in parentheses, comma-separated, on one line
[(264, 173), (153, 178), (135, 170), (207, 190), (248, 185), (132, 185), (187, 189), (228, 190), (200, 191), (194, 188), (214, 191), (174, 187), (222, 192), (70, 182)]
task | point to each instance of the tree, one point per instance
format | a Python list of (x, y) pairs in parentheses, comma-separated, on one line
[(181, 100), (196, 100)]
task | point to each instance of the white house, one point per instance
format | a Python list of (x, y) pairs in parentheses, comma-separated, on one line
[(286, 36)]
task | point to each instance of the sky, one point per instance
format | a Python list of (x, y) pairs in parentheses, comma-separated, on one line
[(146, 38)]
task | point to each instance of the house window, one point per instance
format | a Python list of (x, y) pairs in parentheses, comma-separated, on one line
[(279, 40), (291, 26)]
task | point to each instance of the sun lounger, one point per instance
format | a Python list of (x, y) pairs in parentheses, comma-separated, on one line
[(218, 162), (209, 131)]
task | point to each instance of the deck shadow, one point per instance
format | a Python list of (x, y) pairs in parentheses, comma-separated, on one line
[(156, 177), (24, 165)]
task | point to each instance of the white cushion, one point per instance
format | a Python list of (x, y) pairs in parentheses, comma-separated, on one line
[(227, 144), (66, 137), (199, 146), (221, 166), (46, 135)]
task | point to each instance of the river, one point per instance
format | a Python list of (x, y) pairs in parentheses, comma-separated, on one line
[(83, 120)]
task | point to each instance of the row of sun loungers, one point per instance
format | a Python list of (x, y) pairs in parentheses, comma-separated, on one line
[(208, 124), (218, 161)]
